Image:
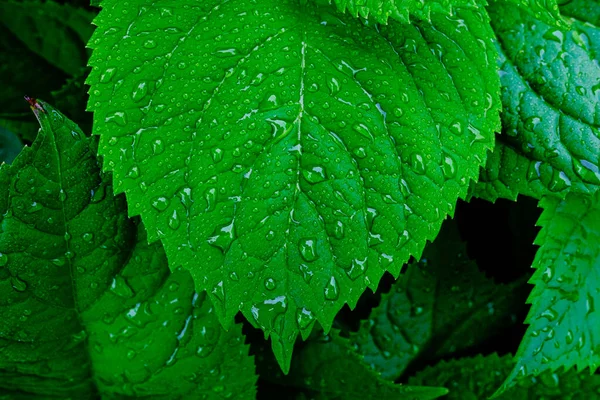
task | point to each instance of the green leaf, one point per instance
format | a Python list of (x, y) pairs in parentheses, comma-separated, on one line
[(476, 378), (85, 309), (564, 324), (550, 142), (400, 10), (326, 367), (55, 32), (441, 305), (288, 170)]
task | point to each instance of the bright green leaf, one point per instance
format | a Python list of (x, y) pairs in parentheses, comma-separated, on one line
[(550, 142), (56, 32), (85, 309), (476, 379), (288, 170), (440, 305), (400, 10), (564, 324), (326, 367)]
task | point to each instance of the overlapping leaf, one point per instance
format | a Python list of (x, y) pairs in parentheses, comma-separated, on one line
[(86, 308), (287, 155), (440, 306), (476, 378), (326, 367), (550, 142), (564, 323)]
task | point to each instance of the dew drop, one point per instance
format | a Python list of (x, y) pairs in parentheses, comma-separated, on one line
[(160, 203), (107, 75), (315, 174), (332, 291), (304, 318), (308, 249)]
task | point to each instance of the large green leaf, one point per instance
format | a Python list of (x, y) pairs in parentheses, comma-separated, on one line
[(86, 309), (326, 367), (55, 32), (564, 323), (550, 142), (476, 379), (440, 306), (285, 154)]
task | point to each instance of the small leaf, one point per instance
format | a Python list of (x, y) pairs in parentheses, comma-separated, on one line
[(564, 323), (86, 307), (550, 142), (439, 306), (326, 367), (476, 378), (289, 170)]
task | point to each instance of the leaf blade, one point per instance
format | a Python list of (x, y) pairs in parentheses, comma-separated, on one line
[(311, 174)]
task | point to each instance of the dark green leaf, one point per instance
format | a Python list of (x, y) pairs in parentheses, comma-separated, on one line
[(10, 145), (440, 306), (326, 367), (86, 308), (477, 378), (564, 323), (550, 142)]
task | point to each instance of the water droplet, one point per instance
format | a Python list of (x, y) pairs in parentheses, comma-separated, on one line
[(338, 230), (158, 147), (88, 237), (150, 44), (161, 203), (357, 268), (62, 196), (360, 152), (139, 91), (308, 249), (587, 171), (398, 112), (550, 314), (307, 274), (304, 318), (332, 291), (315, 174), (211, 199), (219, 292), (217, 155), (118, 117), (559, 182), (448, 166), (3, 259), (222, 237), (17, 284), (417, 164), (174, 221), (120, 287), (107, 75), (270, 284), (363, 130), (334, 85), (266, 312)]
